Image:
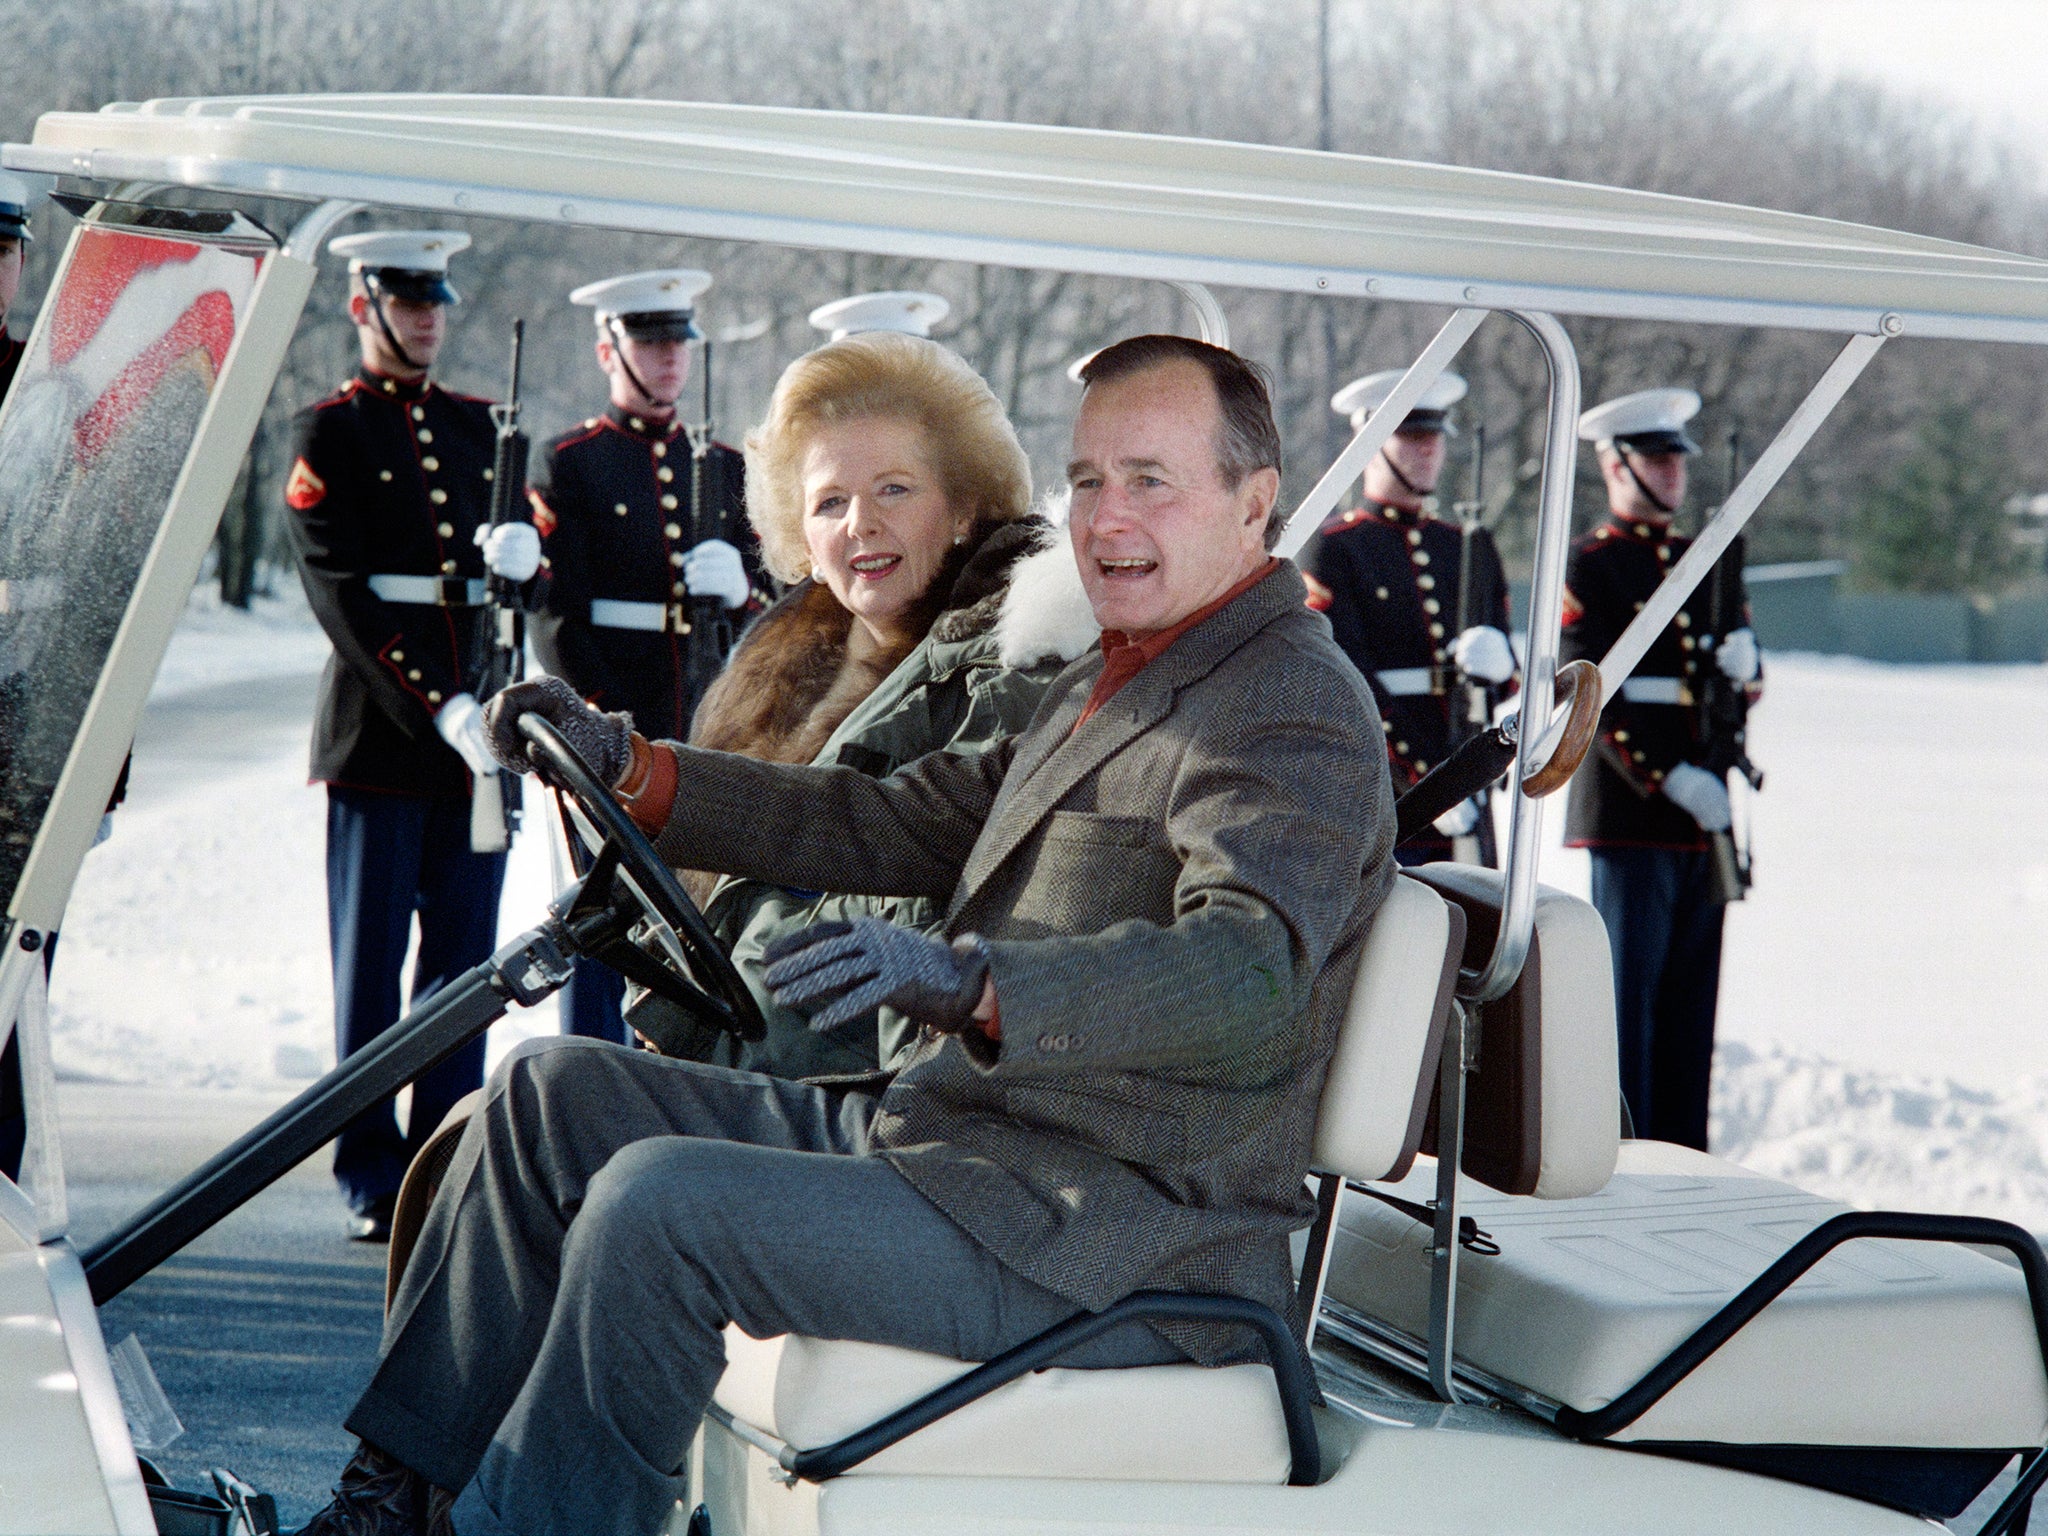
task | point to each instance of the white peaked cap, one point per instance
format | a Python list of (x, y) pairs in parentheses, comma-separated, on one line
[(672, 291), (1645, 411), (1074, 368), (914, 314), (1361, 397), (402, 250)]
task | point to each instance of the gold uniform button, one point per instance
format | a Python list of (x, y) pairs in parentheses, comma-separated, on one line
[(676, 559), (414, 674), (1685, 642), (398, 656), (673, 530), (1663, 551), (447, 567), (446, 530), (1621, 736), (664, 474), (383, 474), (620, 508), (430, 463), (1421, 557), (390, 388), (1683, 621), (489, 474), (433, 695), (661, 450), (1380, 593), (1430, 605), (425, 436), (1425, 581), (1401, 747), (1421, 766), (419, 413), (1436, 631), (437, 496), (1414, 535), (1635, 757), (668, 503), (680, 590)]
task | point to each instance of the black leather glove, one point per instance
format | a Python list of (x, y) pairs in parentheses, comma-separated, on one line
[(604, 741), (837, 971)]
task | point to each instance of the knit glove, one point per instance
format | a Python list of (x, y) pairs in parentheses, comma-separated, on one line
[(603, 741), (1700, 794), (837, 971)]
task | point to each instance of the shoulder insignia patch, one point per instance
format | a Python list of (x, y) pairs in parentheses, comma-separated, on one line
[(1574, 610), (543, 514), (304, 490), (1319, 596)]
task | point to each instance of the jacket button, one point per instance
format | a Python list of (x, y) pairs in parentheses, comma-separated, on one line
[(1430, 605), (437, 496), (1425, 581), (673, 530), (661, 450), (430, 462), (433, 695), (620, 508), (414, 674), (384, 474), (676, 558), (447, 567), (668, 503), (664, 474), (398, 656), (425, 436), (446, 530), (419, 413), (1436, 631), (489, 473), (1422, 557), (680, 590), (1683, 621)]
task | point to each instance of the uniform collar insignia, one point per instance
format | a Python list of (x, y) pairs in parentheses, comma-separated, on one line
[(1388, 513), (643, 426), (1639, 527), (396, 389)]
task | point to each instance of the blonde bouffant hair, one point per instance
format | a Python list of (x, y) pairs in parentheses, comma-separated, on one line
[(887, 376)]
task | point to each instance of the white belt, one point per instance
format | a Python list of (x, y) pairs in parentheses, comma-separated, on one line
[(25, 594), (1407, 682), (433, 591), (1656, 690), (651, 618)]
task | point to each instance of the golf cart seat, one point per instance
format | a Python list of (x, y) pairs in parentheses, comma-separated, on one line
[(1169, 1423), (1885, 1351)]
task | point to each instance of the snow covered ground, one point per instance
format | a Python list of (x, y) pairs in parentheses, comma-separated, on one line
[(1885, 1038)]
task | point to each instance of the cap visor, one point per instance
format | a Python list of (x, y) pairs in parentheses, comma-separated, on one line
[(1659, 442), (419, 287), (1418, 422), (664, 326)]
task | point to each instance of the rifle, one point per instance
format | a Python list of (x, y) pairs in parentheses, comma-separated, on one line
[(494, 807), (1723, 704), (708, 634)]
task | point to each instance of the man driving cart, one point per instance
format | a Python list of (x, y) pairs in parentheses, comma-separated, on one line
[(1156, 894)]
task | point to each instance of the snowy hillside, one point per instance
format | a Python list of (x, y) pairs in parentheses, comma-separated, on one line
[(1884, 980)]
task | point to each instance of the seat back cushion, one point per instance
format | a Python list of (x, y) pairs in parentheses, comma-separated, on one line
[(1376, 1097), (1543, 1108), (1177, 1423)]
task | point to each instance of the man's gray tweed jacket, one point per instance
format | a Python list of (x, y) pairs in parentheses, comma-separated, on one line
[(1174, 897)]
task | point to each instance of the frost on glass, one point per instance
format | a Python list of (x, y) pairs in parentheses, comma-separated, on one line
[(92, 440)]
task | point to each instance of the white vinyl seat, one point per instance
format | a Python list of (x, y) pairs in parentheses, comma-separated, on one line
[(1179, 1423), (1613, 1253)]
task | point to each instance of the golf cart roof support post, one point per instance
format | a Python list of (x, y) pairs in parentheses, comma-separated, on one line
[(311, 232), (1320, 502), (1208, 313), (1742, 502), (1539, 668)]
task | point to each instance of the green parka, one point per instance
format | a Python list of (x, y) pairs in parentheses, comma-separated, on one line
[(1016, 615)]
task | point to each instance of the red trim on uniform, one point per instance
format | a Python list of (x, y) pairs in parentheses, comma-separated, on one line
[(544, 519), (305, 490), (1320, 597)]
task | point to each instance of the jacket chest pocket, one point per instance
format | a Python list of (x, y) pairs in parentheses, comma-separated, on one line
[(1087, 871)]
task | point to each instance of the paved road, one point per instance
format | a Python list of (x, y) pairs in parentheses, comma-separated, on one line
[(265, 1329)]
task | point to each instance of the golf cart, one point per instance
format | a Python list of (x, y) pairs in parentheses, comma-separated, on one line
[(1536, 1327)]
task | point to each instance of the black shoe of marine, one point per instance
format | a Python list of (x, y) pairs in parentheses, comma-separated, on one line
[(377, 1496), (373, 1225)]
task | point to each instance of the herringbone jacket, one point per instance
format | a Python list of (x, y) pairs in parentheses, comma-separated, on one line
[(1174, 897)]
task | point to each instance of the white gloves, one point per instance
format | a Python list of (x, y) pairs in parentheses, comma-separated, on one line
[(1483, 652), (511, 550), (1738, 657), (1461, 818), (461, 724), (1700, 795), (714, 569)]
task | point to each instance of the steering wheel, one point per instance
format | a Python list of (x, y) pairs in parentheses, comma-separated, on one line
[(624, 856)]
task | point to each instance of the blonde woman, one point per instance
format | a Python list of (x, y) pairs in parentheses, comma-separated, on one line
[(929, 611)]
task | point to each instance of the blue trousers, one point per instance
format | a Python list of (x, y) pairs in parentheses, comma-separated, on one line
[(1665, 928), (390, 857), (592, 1002)]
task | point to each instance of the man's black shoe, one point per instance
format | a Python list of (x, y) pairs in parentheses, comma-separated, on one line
[(373, 1225), (377, 1496)]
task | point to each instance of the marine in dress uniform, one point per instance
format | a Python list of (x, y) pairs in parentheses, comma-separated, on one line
[(643, 524), (1386, 573), (390, 497), (913, 314), (15, 202), (1645, 808)]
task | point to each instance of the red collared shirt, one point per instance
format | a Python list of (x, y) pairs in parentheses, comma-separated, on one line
[(1123, 657)]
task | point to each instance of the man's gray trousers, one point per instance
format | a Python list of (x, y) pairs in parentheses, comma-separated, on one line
[(558, 1331)]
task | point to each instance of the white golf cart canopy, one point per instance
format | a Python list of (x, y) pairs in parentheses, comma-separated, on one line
[(1181, 211)]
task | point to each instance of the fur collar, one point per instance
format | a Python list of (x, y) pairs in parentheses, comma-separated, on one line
[(1045, 613)]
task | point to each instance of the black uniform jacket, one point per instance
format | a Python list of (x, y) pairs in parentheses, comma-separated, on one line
[(11, 353), (1388, 582), (612, 500), (391, 479), (1617, 799)]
